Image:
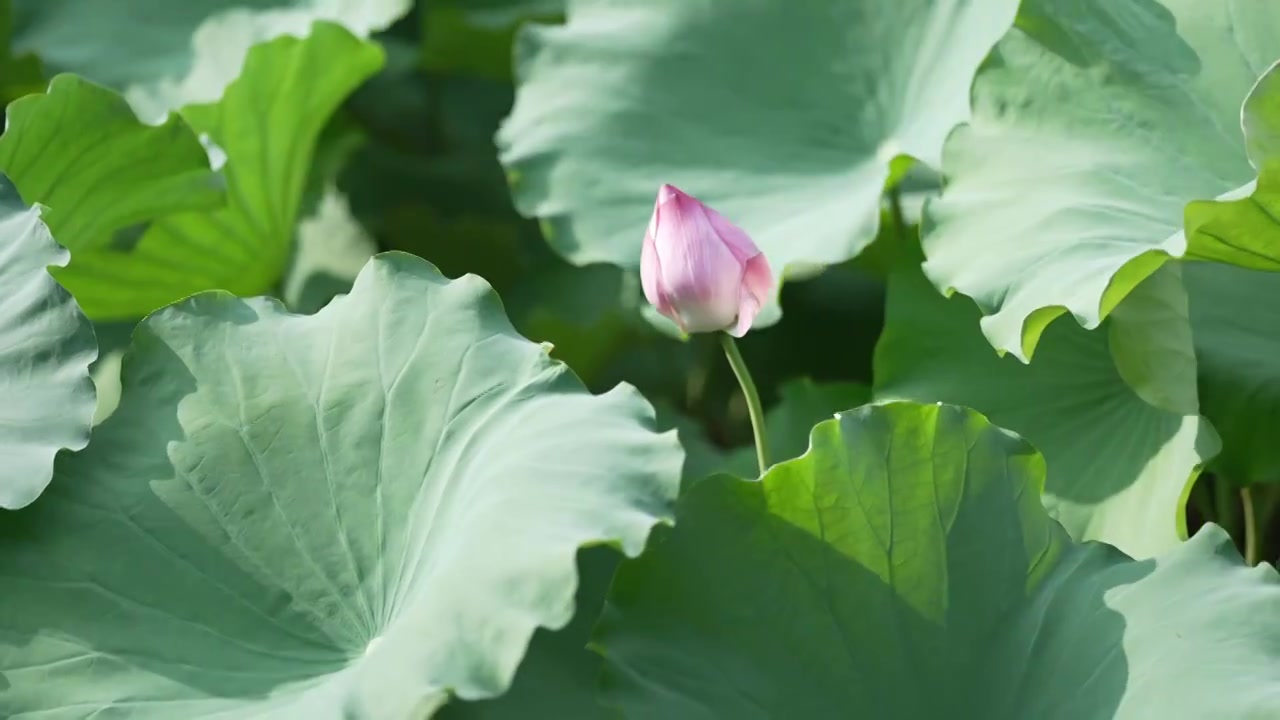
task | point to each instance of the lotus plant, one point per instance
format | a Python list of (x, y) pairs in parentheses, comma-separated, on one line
[(706, 275)]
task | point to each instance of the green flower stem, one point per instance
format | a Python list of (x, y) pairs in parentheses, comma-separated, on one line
[(1250, 527), (753, 398)]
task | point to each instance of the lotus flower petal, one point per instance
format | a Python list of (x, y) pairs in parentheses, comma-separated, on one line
[(700, 270)]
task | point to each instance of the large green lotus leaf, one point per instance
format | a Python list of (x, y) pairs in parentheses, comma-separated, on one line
[(349, 514), (1236, 325), (1068, 186), (1120, 459), (185, 52), (266, 126), (1246, 230), (46, 346), (783, 116), (904, 569), (79, 149)]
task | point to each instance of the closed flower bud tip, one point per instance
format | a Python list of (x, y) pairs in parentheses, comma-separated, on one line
[(700, 270)]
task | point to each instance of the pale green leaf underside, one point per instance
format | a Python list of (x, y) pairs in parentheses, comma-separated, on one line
[(904, 568), (1068, 187), (46, 345), (186, 52), (1119, 461), (267, 125), (627, 96), (348, 514)]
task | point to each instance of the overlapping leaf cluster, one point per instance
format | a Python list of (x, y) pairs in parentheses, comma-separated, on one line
[(326, 389)]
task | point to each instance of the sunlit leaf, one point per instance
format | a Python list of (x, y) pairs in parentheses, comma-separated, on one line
[(902, 569)]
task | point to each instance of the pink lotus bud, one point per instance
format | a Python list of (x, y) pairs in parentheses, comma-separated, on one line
[(699, 269)]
